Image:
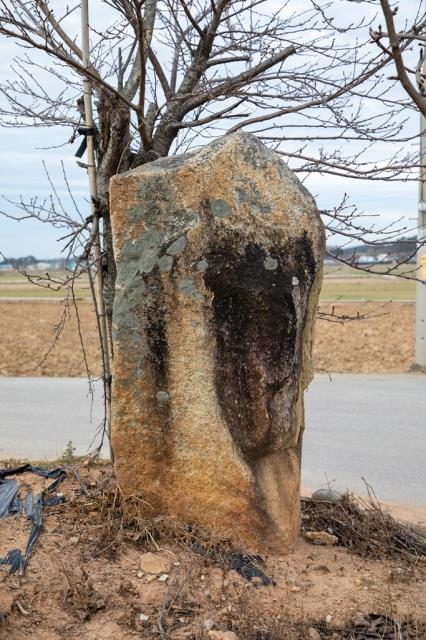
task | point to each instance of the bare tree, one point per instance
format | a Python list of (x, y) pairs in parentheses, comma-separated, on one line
[(397, 43), (167, 75)]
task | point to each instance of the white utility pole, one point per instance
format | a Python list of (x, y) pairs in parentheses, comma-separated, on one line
[(95, 234), (421, 253)]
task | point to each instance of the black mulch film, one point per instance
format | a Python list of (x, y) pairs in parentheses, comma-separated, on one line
[(31, 506)]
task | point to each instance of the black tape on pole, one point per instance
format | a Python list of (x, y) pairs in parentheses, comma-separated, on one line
[(86, 131)]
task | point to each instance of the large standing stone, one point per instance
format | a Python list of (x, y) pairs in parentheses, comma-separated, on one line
[(219, 257)]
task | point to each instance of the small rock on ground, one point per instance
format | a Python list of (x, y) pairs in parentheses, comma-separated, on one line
[(321, 537), (155, 563), (326, 495)]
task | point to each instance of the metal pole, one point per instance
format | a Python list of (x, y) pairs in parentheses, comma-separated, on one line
[(421, 257), (91, 170), (421, 253)]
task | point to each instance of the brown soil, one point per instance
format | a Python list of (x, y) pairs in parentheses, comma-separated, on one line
[(81, 584), (28, 331), (381, 343)]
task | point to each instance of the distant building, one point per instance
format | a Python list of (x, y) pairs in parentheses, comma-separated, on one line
[(39, 266), (30, 263), (397, 251)]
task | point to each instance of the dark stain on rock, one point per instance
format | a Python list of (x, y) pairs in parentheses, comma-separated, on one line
[(258, 333), (158, 352)]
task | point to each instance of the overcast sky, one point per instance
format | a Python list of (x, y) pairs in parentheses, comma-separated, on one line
[(22, 152)]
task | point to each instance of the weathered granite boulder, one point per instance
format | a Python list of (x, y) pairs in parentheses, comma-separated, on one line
[(219, 257)]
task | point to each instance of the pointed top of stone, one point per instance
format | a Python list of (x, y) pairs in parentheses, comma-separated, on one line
[(243, 145)]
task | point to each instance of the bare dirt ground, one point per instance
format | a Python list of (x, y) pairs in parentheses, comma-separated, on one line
[(86, 579), (28, 344), (383, 342)]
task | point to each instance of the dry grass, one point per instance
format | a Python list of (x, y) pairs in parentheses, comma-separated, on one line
[(253, 626), (109, 521), (385, 629), (364, 528), (368, 289), (106, 521), (84, 571), (15, 285), (249, 621), (340, 283)]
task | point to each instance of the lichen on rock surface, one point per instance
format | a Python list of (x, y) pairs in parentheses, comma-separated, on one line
[(219, 257)]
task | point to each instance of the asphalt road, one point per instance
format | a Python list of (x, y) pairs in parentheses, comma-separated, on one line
[(367, 426), (357, 426)]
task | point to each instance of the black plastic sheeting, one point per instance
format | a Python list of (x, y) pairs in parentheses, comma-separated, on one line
[(246, 565), (30, 506)]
